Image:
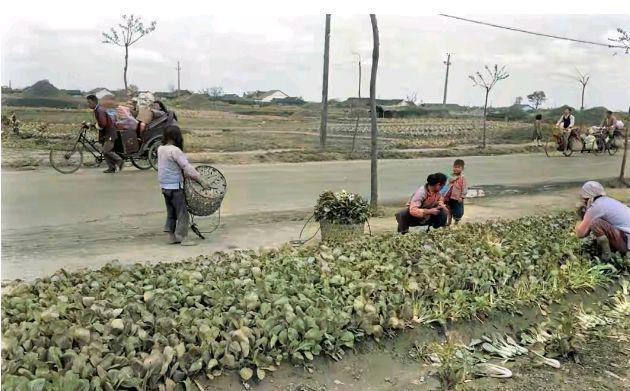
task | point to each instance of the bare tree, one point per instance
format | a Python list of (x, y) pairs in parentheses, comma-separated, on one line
[(583, 79), (494, 75), (536, 98), (374, 152), (322, 129), (356, 125), (624, 40), (129, 32), (215, 92), (412, 98)]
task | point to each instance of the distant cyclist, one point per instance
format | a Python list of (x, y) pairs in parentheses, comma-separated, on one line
[(566, 124)]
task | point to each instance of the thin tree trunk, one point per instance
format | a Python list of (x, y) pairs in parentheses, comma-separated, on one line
[(322, 129), (583, 88), (485, 111), (622, 174), (126, 64), (356, 125), (374, 152)]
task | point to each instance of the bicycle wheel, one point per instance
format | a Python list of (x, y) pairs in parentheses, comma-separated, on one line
[(141, 163), (613, 145), (152, 154), (573, 144), (65, 159)]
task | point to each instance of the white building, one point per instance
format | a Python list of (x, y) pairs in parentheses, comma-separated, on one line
[(266, 96)]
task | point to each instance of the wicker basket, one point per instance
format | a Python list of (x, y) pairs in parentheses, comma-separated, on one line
[(340, 233), (204, 202)]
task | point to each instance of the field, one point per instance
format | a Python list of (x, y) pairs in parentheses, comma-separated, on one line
[(244, 134)]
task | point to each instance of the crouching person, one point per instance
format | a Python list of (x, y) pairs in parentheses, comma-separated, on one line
[(425, 207), (607, 218)]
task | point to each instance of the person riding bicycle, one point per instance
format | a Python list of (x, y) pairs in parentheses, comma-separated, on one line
[(609, 123), (106, 135), (566, 124)]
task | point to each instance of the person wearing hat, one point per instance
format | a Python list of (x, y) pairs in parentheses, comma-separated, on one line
[(607, 218)]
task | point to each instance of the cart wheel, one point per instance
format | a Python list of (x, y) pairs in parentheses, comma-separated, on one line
[(141, 163), (152, 154), (66, 159)]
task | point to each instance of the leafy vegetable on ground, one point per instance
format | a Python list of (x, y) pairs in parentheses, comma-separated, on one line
[(145, 326)]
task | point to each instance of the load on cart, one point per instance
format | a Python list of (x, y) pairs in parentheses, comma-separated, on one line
[(139, 128)]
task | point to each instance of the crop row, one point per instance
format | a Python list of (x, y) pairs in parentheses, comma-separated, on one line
[(150, 326)]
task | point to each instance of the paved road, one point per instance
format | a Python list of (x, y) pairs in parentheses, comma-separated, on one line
[(46, 198), (50, 220)]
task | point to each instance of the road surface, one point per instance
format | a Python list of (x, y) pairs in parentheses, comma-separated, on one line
[(45, 214)]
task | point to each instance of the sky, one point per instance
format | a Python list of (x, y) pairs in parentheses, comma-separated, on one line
[(242, 52)]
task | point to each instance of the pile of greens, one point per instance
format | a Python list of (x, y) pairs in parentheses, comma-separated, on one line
[(341, 208), (150, 326)]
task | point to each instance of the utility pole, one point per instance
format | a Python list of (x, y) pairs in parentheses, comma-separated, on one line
[(178, 77), (448, 64)]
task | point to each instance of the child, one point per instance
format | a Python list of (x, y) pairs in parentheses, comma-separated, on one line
[(458, 187), (537, 137), (172, 167)]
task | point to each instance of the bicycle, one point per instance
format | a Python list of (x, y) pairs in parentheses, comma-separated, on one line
[(67, 159), (556, 143)]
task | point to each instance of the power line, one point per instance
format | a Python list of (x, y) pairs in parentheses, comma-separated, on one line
[(535, 33)]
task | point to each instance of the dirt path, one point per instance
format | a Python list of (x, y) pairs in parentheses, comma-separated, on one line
[(37, 251)]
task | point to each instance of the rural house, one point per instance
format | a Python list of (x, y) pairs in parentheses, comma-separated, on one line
[(265, 96)]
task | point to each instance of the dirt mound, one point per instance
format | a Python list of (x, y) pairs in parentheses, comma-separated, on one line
[(42, 88)]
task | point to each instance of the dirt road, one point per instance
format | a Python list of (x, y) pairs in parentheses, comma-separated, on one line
[(51, 220)]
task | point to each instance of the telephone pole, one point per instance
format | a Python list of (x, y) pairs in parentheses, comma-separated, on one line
[(448, 64), (178, 78)]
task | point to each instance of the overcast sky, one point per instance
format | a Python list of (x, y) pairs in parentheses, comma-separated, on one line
[(247, 52)]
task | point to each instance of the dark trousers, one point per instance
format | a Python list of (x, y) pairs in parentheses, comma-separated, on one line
[(456, 208), (177, 219), (110, 156), (406, 220)]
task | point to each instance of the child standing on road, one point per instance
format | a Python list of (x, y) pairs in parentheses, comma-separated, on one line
[(173, 166), (454, 197)]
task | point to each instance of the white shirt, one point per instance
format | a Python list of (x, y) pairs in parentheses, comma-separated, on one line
[(562, 118)]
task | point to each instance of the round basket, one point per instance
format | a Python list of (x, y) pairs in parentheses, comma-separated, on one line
[(204, 202)]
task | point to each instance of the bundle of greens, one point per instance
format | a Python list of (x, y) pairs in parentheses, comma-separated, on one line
[(162, 325)]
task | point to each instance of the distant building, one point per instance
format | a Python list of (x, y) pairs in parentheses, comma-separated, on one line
[(265, 96)]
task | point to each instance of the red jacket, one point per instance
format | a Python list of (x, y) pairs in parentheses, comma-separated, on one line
[(107, 131)]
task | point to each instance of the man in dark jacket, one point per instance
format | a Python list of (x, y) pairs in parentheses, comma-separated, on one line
[(106, 135)]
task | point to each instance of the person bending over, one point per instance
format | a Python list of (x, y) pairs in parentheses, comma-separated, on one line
[(607, 218)]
